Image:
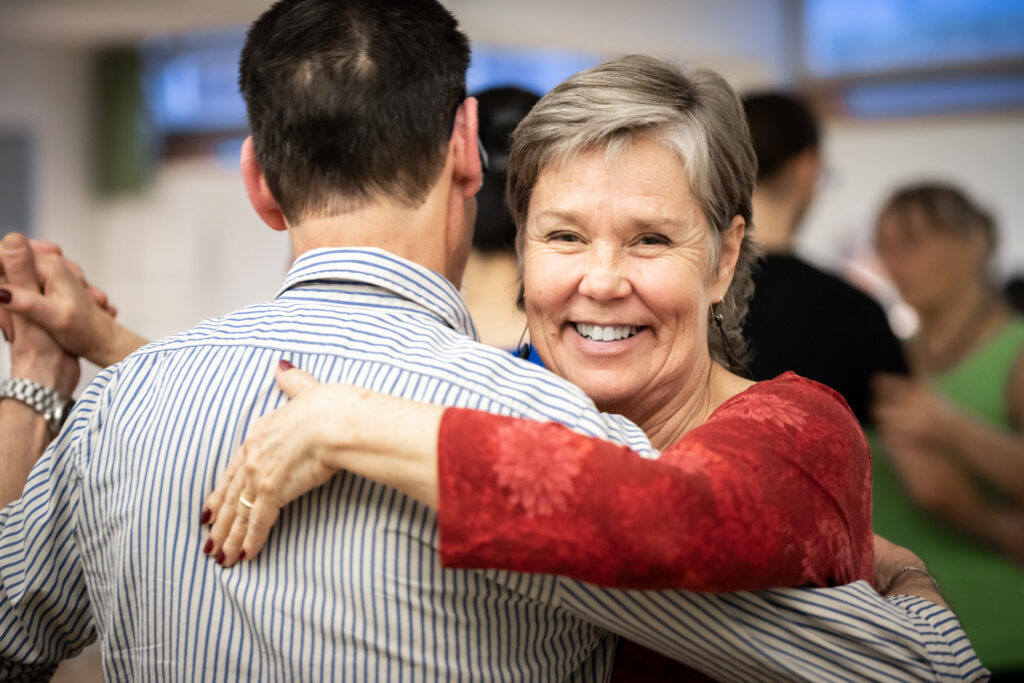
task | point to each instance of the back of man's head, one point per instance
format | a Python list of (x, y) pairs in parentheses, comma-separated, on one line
[(350, 101), (781, 127)]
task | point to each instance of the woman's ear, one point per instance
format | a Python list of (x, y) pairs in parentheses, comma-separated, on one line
[(732, 239), (256, 187)]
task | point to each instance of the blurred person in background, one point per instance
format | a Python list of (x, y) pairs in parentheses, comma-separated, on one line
[(491, 283), (1015, 293), (802, 318), (951, 484)]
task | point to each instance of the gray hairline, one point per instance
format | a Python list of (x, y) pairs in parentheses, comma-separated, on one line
[(671, 135)]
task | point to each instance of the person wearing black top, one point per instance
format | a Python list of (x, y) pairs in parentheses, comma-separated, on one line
[(802, 318)]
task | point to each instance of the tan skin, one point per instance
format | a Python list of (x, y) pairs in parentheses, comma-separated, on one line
[(936, 448)]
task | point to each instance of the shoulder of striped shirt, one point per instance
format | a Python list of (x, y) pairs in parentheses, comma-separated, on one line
[(522, 389)]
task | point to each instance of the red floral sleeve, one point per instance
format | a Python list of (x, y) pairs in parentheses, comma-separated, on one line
[(773, 490)]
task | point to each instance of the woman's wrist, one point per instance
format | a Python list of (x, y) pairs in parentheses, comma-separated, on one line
[(915, 580), (49, 369), (403, 456), (909, 574), (114, 342)]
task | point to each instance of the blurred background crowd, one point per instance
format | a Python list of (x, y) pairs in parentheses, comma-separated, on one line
[(888, 133)]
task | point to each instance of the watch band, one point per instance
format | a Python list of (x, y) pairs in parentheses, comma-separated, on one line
[(51, 404)]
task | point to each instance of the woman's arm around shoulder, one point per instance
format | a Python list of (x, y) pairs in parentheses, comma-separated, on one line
[(773, 490)]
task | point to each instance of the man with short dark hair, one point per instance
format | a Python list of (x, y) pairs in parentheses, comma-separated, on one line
[(106, 539)]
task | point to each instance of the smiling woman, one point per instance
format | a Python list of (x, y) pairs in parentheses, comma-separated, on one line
[(618, 280), (630, 185)]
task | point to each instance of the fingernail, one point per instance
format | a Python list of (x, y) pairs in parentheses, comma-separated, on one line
[(207, 513), (284, 365), (241, 556), (220, 557), (5, 298), (208, 547)]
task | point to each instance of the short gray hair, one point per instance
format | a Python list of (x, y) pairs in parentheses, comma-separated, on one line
[(697, 115)]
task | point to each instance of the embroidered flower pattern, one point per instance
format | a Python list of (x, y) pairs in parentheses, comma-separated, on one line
[(539, 475), (768, 408)]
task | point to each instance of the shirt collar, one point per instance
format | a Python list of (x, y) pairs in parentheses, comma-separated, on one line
[(380, 268)]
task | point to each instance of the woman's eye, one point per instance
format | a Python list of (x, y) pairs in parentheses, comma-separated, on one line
[(564, 237), (653, 239)]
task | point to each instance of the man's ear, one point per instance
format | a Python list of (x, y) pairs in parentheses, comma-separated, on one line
[(731, 241), (464, 149), (256, 187)]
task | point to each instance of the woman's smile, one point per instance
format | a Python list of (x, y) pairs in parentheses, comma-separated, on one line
[(605, 333), (606, 340), (617, 278)]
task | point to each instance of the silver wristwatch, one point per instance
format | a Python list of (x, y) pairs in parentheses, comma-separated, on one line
[(51, 404)]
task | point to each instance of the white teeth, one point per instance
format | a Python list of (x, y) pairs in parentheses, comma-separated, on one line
[(605, 332)]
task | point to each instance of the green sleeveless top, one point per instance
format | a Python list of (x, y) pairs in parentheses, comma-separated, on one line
[(985, 590)]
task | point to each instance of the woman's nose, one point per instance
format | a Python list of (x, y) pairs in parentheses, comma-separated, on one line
[(605, 278)]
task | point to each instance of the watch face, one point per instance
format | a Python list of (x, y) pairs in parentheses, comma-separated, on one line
[(60, 413)]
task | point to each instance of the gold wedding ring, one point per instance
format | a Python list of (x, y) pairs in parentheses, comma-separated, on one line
[(246, 503)]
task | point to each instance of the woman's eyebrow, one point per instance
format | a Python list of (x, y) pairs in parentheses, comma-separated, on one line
[(559, 215)]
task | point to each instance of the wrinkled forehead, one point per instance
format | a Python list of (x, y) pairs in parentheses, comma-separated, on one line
[(614, 150), (645, 178)]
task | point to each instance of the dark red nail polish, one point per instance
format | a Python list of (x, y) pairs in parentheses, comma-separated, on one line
[(284, 365), (241, 556), (5, 298), (208, 547), (207, 513), (220, 557)]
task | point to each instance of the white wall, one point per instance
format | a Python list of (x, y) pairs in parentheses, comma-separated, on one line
[(44, 91), (746, 40), (868, 159), (189, 248)]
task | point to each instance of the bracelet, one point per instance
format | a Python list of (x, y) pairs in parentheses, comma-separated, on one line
[(904, 570)]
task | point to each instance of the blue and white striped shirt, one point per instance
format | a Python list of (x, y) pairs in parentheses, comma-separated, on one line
[(105, 540)]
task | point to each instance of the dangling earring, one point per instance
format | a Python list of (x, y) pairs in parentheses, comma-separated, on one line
[(730, 355), (524, 347)]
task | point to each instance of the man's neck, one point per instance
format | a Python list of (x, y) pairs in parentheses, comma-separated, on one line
[(775, 219), (421, 234)]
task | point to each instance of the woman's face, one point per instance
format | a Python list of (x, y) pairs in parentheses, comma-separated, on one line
[(928, 266), (617, 277)]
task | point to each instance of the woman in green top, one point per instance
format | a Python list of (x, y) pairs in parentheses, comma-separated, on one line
[(951, 482)]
